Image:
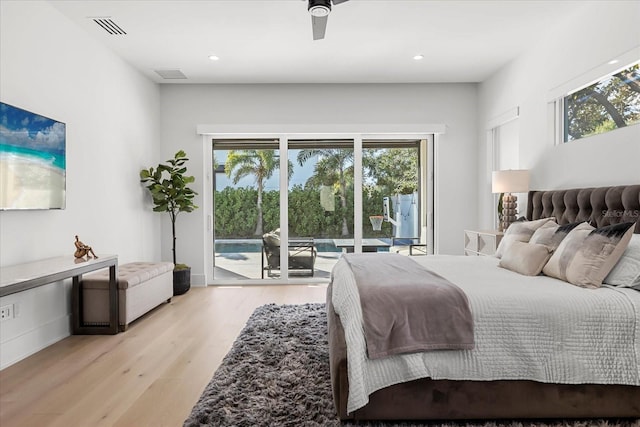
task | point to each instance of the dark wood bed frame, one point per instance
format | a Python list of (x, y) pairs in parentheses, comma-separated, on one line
[(427, 399)]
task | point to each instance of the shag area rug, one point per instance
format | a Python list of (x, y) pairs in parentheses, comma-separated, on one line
[(277, 374)]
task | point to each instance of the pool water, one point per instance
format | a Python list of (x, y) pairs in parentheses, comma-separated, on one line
[(234, 246)]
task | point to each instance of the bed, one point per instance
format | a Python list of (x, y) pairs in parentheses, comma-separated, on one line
[(452, 393)]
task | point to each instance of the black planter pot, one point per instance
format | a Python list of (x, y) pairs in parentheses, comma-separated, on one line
[(181, 281)]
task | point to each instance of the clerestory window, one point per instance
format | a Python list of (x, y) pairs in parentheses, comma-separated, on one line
[(612, 102)]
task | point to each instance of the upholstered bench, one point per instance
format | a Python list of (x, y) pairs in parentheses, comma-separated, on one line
[(142, 286)]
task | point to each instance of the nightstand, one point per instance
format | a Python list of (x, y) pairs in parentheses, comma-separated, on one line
[(483, 242)]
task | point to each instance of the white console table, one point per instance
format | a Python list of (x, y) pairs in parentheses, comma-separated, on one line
[(21, 277)]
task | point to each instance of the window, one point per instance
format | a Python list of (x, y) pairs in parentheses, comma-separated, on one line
[(610, 103)]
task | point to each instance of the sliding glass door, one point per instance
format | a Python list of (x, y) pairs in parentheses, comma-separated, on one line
[(246, 200), (320, 199), (343, 195), (391, 193)]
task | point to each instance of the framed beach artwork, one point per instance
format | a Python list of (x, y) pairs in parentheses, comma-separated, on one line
[(32, 160)]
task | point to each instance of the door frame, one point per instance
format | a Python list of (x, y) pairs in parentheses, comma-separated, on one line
[(426, 132)]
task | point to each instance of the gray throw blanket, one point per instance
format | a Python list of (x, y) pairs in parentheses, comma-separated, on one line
[(407, 308)]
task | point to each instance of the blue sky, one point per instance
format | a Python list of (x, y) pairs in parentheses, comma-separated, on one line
[(23, 129), (299, 177)]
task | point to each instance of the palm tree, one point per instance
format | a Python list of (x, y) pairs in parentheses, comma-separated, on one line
[(331, 169), (257, 163)]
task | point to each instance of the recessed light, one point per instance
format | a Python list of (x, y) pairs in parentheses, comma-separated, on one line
[(213, 57), (613, 61), (418, 57)]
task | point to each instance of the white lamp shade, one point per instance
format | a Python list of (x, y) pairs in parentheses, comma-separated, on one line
[(510, 181)]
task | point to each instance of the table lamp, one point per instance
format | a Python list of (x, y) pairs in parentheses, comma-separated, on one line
[(507, 182)]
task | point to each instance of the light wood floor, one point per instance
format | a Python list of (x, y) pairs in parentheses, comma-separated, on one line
[(150, 375)]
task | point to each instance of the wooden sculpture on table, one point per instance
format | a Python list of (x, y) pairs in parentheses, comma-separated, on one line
[(82, 250)]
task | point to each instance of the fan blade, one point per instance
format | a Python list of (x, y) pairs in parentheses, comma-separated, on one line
[(319, 24), (339, 1)]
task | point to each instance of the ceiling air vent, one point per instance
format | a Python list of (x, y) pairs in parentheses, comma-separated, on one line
[(109, 26), (170, 74)]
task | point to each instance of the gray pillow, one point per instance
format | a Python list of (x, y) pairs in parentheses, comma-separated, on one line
[(519, 232), (526, 258), (551, 234), (587, 254), (626, 272)]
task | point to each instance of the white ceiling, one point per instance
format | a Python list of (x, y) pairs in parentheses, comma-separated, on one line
[(367, 41)]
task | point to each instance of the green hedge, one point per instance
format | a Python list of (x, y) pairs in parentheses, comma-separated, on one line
[(236, 213)]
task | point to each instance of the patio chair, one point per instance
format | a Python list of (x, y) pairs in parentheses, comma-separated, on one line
[(302, 254), (401, 244)]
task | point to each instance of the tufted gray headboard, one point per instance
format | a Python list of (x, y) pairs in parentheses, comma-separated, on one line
[(600, 206)]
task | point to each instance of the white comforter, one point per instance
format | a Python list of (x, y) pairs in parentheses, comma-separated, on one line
[(526, 328)]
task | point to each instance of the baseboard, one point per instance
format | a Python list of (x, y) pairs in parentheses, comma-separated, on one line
[(31, 342), (198, 280)]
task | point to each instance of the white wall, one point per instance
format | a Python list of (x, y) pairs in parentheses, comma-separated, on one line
[(186, 106), (53, 68), (597, 32), (114, 116)]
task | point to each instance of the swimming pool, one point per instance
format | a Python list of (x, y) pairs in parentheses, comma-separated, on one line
[(234, 246)]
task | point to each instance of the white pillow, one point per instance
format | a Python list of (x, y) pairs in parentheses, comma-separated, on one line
[(526, 258), (519, 231), (626, 273)]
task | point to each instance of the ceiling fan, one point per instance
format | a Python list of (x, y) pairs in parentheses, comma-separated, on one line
[(319, 10)]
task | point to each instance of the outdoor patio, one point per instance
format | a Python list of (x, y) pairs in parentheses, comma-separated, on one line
[(248, 265), (241, 259)]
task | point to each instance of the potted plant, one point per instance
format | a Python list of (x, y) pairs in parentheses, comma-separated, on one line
[(169, 190)]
